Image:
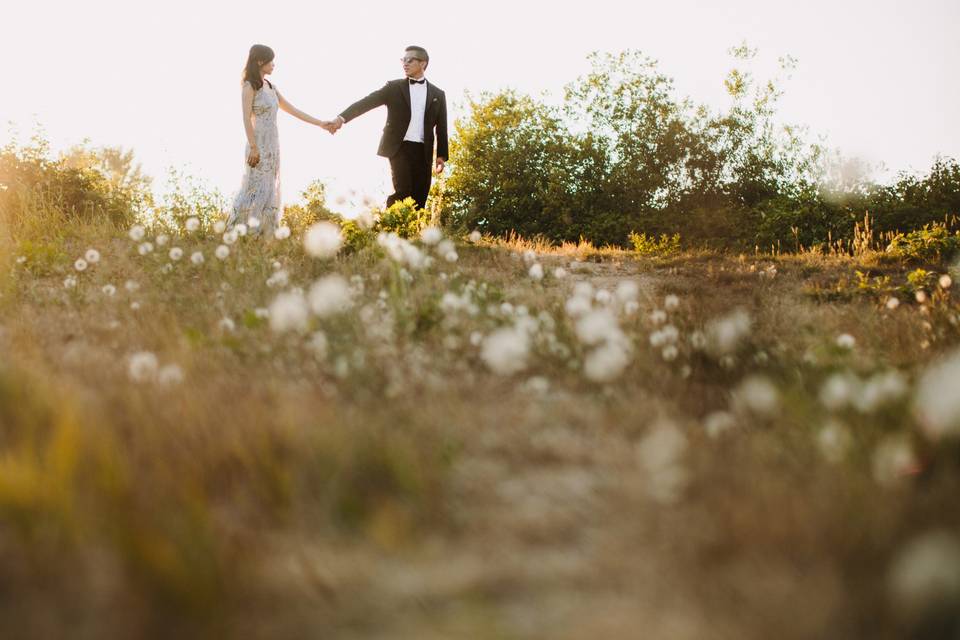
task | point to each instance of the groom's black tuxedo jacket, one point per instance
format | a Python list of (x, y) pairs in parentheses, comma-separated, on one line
[(396, 95)]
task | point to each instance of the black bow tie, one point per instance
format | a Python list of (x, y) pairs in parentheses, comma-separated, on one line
[(412, 81)]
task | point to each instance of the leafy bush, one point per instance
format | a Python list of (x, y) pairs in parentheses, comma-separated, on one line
[(40, 194), (651, 246), (403, 218), (932, 243)]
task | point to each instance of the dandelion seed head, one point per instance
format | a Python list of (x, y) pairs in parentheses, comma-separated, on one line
[(892, 303), (330, 295), (142, 366), (474, 237), (846, 341), (536, 271), (289, 312), (921, 297), (671, 302), (717, 423), (937, 401), (222, 252), (670, 353), (431, 235), (323, 240), (607, 361), (756, 395), (162, 239), (559, 273), (80, 265), (192, 223), (660, 453), (227, 324), (131, 285), (230, 237), (282, 232), (169, 375), (219, 227), (834, 441), (137, 232), (109, 290), (945, 281), (92, 256), (253, 222), (70, 282), (196, 257), (658, 316), (724, 335), (924, 578), (505, 351), (240, 229), (144, 248)]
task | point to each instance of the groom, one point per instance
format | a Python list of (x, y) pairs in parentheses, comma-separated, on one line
[(414, 109)]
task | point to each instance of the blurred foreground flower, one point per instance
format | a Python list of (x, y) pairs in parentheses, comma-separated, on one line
[(937, 400), (323, 240)]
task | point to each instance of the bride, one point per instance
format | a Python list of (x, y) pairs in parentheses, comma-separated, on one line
[(257, 204)]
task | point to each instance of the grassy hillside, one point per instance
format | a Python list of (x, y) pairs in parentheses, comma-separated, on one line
[(445, 440)]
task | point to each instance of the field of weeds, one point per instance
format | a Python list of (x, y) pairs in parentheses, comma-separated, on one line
[(208, 434)]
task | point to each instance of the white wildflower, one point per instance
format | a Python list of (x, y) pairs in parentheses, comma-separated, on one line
[(536, 271), (893, 303), (192, 223), (222, 252), (671, 302), (717, 423), (282, 232), (230, 237), (474, 237), (330, 295), (170, 375), (945, 281), (137, 233), (219, 227), (319, 345), (505, 351), (937, 400), (846, 341), (724, 335), (431, 235), (924, 578), (289, 312), (834, 441), (162, 239), (196, 257), (670, 353), (142, 366), (607, 361), (323, 240), (756, 395)]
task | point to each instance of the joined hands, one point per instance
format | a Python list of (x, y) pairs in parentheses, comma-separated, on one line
[(332, 126)]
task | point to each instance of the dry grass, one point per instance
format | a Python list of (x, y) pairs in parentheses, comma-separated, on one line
[(396, 488)]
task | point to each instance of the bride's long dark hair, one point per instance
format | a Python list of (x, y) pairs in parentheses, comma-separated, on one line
[(259, 54)]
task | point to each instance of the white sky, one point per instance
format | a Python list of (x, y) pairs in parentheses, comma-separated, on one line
[(878, 78)]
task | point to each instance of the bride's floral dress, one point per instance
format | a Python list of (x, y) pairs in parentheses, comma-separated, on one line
[(257, 204)]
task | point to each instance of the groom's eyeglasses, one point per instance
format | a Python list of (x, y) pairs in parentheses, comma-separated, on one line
[(409, 59)]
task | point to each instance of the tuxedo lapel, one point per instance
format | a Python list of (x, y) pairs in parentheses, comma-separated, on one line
[(405, 92)]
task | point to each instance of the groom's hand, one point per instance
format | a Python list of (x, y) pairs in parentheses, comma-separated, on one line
[(438, 168)]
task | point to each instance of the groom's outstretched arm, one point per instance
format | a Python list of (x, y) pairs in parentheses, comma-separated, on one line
[(361, 106)]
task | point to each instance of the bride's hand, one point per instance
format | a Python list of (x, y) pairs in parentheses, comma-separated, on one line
[(254, 158)]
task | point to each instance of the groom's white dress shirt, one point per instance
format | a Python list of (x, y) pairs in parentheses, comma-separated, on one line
[(418, 105)]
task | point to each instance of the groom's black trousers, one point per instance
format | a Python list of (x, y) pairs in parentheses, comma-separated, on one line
[(411, 174)]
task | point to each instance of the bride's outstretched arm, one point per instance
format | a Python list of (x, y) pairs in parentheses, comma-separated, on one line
[(296, 113)]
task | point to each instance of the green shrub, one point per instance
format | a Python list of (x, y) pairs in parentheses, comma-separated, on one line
[(932, 243), (404, 219), (651, 246)]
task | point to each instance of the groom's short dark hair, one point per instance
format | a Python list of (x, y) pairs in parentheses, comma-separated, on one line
[(420, 52)]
